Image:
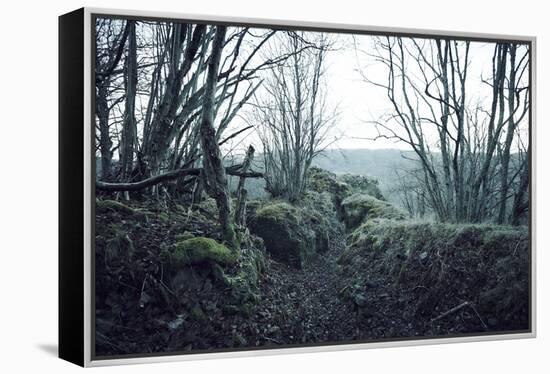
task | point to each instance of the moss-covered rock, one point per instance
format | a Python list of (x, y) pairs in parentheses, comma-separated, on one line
[(323, 181), (362, 184), (208, 207), (201, 250), (244, 284), (286, 233), (359, 208), (320, 180)]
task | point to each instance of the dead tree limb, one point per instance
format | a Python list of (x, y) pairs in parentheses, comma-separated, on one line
[(451, 311), (240, 218), (171, 175)]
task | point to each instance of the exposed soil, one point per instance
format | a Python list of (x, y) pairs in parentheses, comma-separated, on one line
[(304, 306)]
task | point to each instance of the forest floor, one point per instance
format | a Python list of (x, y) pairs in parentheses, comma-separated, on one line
[(137, 312), (305, 306)]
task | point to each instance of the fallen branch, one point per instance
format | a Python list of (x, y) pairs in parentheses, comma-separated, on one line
[(171, 175), (457, 308), (452, 310)]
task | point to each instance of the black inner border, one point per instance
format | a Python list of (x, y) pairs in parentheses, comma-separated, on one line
[(425, 35)]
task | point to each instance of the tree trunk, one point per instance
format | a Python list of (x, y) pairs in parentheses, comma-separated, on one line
[(521, 204), (105, 142), (214, 171), (129, 127), (505, 165)]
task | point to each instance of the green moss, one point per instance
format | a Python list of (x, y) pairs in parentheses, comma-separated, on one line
[(208, 206), (320, 180), (184, 236), (359, 208), (397, 242), (120, 247), (197, 313), (244, 284), (163, 216), (231, 238), (362, 184), (103, 206), (485, 264), (280, 212), (200, 250)]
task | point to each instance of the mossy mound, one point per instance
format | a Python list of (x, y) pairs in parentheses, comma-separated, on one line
[(289, 232), (362, 184), (320, 180), (323, 181), (430, 268), (208, 207), (201, 250), (359, 208), (244, 283)]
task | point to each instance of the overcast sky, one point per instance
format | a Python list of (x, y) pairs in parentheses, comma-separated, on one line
[(360, 102)]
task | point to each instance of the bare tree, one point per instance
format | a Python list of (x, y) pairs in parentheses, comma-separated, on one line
[(129, 129), (169, 63), (110, 42), (214, 171), (292, 114), (427, 89)]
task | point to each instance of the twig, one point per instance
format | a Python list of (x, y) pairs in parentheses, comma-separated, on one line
[(516, 248), (271, 339), (478, 316), (167, 288), (452, 310), (107, 341), (419, 286)]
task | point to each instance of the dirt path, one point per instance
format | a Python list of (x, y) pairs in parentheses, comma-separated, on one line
[(304, 306)]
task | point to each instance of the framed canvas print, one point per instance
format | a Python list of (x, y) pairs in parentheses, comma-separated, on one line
[(238, 186)]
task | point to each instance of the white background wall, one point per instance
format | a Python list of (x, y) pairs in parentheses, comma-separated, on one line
[(28, 196)]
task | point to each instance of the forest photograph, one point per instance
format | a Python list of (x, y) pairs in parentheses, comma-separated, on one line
[(274, 187)]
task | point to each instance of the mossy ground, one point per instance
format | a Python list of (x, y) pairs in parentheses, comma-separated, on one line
[(280, 212), (433, 267), (103, 206), (362, 184), (160, 282), (388, 278), (359, 208), (199, 250)]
